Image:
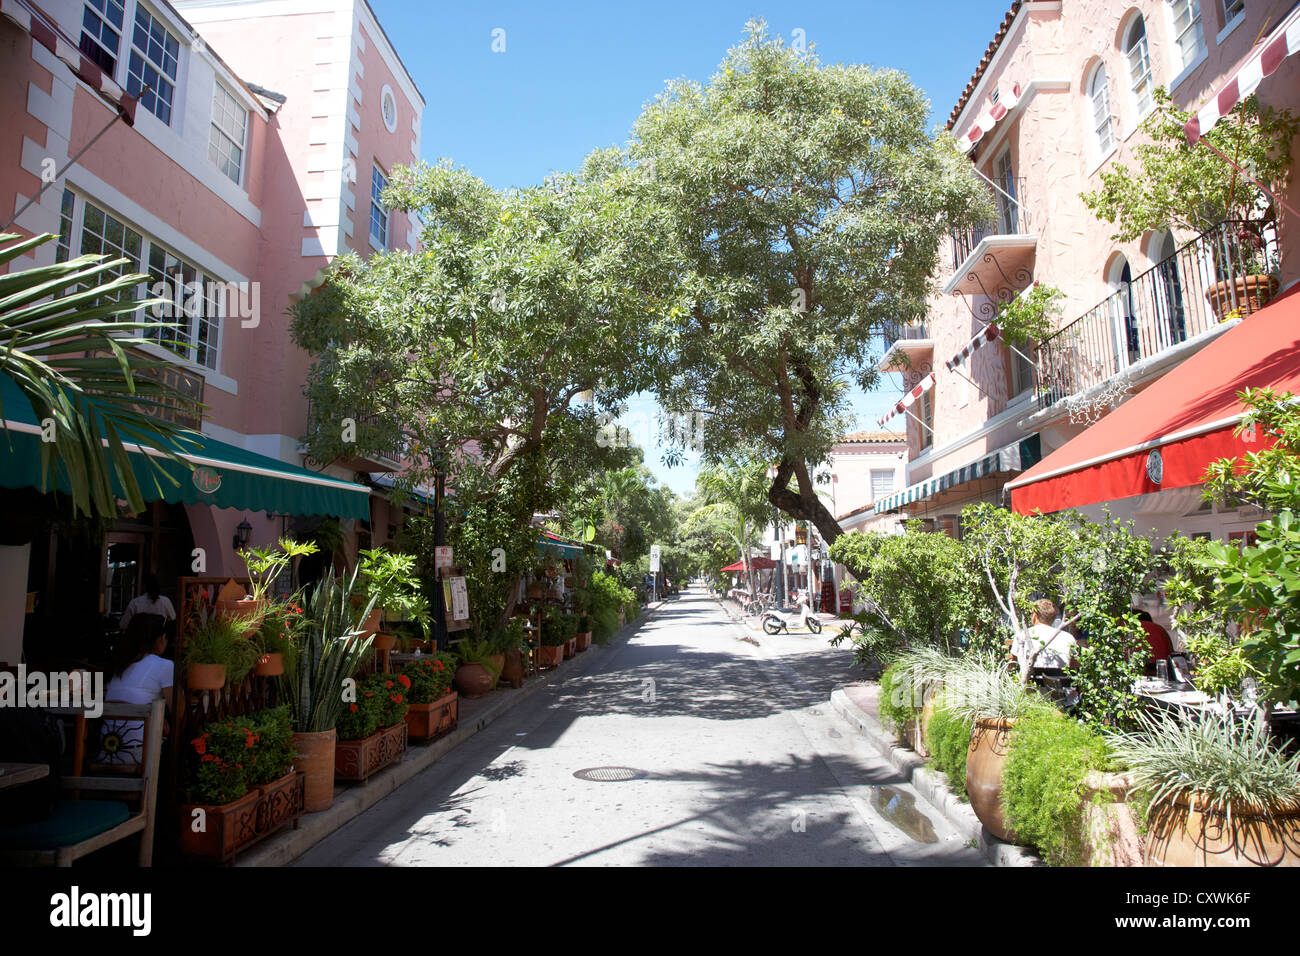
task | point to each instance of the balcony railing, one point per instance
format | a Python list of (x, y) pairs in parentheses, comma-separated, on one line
[(891, 332), (1010, 220), (186, 411), (1175, 300)]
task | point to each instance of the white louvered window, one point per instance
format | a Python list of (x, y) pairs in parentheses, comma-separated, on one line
[(1138, 55), (1189, 37), (1099, 97)]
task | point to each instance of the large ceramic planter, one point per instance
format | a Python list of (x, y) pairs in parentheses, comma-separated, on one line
[(498, 662), (371, 624), (427, 722), (359, 759), (1251, 294), (205, 676), (269, 665), (1110, 828), (473, 680), (280, 802), (314, 756), (989, 743), (584, 641), (548, 656), (513, 671), (1180, 834)]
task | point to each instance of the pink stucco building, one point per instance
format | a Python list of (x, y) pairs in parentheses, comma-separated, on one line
[(1058, 98), (262, 133)]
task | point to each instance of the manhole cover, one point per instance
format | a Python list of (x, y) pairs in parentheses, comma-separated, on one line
[(609, 774)]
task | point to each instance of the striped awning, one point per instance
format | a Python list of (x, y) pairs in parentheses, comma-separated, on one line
[(985, 335), (48, 35), (1263, 60), (907, 400), (1011, 458), (994, 110)]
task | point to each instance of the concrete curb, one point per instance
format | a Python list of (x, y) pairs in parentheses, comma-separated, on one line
[(351, 801), (932, 785)]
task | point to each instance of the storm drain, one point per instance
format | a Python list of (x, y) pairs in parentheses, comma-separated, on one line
[(609, 774)]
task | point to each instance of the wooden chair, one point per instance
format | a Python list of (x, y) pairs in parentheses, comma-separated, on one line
[(79, 826)]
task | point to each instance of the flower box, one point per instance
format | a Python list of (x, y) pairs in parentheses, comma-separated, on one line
[(584, 641), (428, 722), (550, 656), (359, 759), (570, 647), (219, 833)]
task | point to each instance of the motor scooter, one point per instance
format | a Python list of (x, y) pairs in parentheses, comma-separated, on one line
[(775, 621)]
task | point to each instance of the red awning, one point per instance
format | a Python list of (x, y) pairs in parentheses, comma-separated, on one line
[(1264, 58), (758, 564), (1176, 427)]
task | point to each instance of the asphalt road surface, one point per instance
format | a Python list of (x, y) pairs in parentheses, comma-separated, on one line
[(734, 753)]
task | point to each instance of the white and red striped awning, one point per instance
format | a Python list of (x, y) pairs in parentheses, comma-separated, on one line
[(1007, 99), (985, 335), (48, 35), (906, 401), (1264, 58)]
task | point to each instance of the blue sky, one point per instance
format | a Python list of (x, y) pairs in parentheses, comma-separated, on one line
[(573, 78)]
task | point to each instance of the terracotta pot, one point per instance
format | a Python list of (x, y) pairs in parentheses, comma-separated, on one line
[(218, 832), (385, 642), (498, 662), (513, 671), (371, 624), (1252, 293), (584, 641), (359, 759), (1179, 835), (989, 743), (550, 656), (1110, 827), (473, 680), (425, 722), (570, 648), (205, 676), (246, 608), (315, 758), (280, 803), (269, 665)]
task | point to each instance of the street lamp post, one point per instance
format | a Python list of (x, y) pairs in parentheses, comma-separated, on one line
[(780, 568)]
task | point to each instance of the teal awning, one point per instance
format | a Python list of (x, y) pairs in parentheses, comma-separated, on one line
[(1011, 458), (225, 476), (554, 544)]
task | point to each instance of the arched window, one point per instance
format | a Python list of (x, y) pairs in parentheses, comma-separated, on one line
[(1138, 56), (1099, 97)]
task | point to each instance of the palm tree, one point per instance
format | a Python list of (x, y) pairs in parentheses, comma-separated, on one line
[(736, 488), (64, 332)]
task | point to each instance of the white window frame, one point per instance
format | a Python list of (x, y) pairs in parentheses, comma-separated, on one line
[(887, 477), (89, 6), (925, 408), (1142, 49), (380, 243), (216, 130), (1181, 65), (213, 313), (1101, 149), (174, 80), (1230, 20)]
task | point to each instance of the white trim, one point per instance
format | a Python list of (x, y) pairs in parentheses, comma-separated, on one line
[(977, 95), (991, 425), (1181, 72), (1105, 159), (1190, 69), (1017, 240), (211, 376), (1230, 26)]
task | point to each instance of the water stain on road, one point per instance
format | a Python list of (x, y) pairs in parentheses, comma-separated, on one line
[(899, 809)]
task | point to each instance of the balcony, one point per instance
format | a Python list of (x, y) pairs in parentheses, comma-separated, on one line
[(1155, 320), (907, 347), (188, 383), (995, 259)]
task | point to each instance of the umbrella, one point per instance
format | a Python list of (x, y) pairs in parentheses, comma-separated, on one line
[(758, 564)]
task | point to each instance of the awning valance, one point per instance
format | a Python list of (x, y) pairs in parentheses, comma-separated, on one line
[(225, 476), (984, 336), (549, 543), (1010, 458), (1264, 58), (1007, 98), (1165, 436), (907, 400)]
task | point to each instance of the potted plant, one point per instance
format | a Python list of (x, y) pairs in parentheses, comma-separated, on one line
[(274, 639), (1222, 792), (331, 650), (265, 565), (507, 644), (570, 624), (433, 706), (1184, 186), (584, 632), (476, 674), (372, 727), (390, 582), (216, 652), (553, 638)]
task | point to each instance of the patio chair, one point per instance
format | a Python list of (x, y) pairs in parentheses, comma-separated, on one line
[(80, 826)]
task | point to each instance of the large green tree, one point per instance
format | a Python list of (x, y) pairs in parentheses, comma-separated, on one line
[(808, 204)]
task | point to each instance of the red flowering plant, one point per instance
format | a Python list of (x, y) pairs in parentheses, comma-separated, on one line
[(280, 629), (360, 718), (392, 691), (430, 677), (229, 757)]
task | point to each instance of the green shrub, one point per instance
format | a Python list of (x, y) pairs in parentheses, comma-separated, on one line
[(895, 707), (604, 625), (1049, 758), (948, 739), (273, 750)]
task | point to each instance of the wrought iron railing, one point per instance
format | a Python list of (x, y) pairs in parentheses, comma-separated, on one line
[(1009, 220), (891, 332), (187, 408), (1178, 298)]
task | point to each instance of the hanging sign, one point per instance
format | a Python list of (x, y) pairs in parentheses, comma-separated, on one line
[(205, 480), (442, 557), (456, 596)]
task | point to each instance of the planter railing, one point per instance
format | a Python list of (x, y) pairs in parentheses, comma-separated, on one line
[(1154, 312)]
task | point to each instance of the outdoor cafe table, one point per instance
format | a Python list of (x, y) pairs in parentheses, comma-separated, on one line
[(15, 774), (1171, 695)]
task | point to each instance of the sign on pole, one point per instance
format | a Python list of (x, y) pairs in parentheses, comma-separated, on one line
[(442, 557), (654, 559)]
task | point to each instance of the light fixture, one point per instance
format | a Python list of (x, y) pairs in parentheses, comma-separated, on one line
[(243, 531)]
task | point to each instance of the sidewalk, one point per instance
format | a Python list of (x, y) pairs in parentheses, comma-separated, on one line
[(350, 801)]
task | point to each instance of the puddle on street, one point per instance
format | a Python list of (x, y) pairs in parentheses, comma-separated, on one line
[(899, 808)]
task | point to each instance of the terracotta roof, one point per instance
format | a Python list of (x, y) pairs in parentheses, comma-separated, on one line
[(873, 436), (984, 62)]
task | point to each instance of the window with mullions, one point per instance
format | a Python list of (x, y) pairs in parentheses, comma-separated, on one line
[(101, 33), (195, 304), (378, 214), (1138, 55), (1188, 34), (154, 52), (64, 248), (1099, 96), (1231, 10), (226, 138), (103, 234), (926, 406)]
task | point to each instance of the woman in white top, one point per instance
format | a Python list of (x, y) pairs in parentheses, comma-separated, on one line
[(140, 676), (1057, 645), (150, 602)]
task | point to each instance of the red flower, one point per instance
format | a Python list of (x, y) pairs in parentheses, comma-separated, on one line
[(353, 708), (395, 698), (404, 680), (200, 745), (388, 683)]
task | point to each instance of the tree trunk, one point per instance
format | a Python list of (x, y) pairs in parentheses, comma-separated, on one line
[(805, 505)]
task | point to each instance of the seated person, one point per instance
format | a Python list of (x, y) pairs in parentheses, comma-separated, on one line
[(140, 676), (1057, 644), (1161, 646)]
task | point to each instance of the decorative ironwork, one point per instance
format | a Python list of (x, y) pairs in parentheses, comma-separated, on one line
[(913, 376)]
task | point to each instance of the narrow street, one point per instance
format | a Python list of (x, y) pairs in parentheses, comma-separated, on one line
[(741, 761)]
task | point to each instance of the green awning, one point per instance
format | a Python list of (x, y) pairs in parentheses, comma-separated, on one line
[(554, 544), (225, 476), (1011, 458)]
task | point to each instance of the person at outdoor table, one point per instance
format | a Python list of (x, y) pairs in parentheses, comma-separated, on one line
[(1161, 645), (152, 601), (140, 676), (1057, 644)]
